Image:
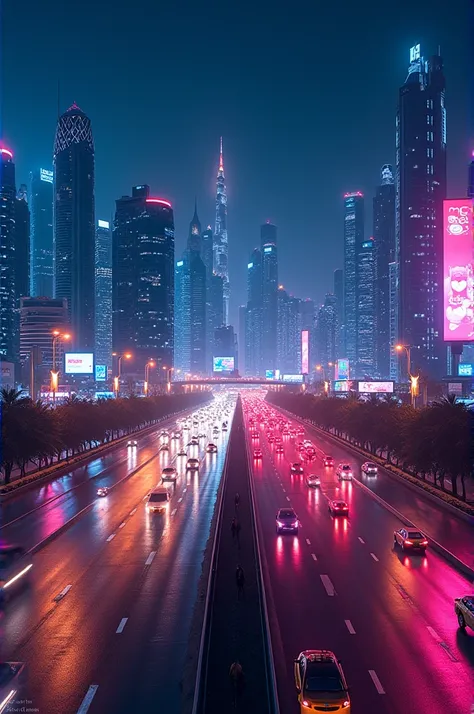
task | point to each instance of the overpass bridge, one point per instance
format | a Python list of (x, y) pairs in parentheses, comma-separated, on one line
[(233, 380)]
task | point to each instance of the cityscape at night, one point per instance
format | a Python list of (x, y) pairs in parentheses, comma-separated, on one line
[(237, 358)]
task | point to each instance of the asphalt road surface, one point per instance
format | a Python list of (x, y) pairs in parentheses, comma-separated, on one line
[(340, 585)]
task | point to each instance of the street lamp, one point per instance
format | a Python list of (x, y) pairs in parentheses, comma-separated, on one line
[(149, 364), (414, 386), (125, 355), (57, 336)]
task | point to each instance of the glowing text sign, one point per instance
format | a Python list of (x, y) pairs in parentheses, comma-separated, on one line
[(375, 387), (304, 352), (458, 270)]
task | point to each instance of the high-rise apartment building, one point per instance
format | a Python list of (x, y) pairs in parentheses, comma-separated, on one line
[(103, 294), (8, 316), (182, 322), (198, 284), (221, 246), (268, 248), (420, 191), (393, 320), (326, 333), (353, 238), (207, 255), (143, 278), (308, 322), (241, 341), (366, 319), (384, 244), (38, 318), (339, 295), (22, 245), (74, 224), (254, 366), (289, 333), (41, 245)]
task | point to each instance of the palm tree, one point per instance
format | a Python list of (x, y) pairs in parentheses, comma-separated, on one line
[(11, 396)]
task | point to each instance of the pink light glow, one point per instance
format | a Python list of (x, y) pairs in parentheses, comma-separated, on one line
[(161, 201), (354, 193), (458, 270), (6, 151)]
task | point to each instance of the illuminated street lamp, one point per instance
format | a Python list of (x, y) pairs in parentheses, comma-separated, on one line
[(57, 336), (149, 364), (414, 380), (125, 355)]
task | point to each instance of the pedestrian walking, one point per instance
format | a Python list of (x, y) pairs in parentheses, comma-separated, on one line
[(237, 682), (233, 528), (237, 501), (240, 581)]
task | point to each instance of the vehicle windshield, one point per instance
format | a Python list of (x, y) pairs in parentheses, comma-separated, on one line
[(323, 678), (158, 497), (371, 464), (169, 470), (414, 534), (296, 465), (346, 467), (287, 513)]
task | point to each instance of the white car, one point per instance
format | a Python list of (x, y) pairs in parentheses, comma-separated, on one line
[(344, 472), (369, 468), (182, 452), (132, 444), (169, 474), (313, 481), (164, 447)]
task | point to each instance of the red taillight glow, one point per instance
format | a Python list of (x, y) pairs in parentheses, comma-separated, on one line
[(424, 542), (408, 542), (305, 703)]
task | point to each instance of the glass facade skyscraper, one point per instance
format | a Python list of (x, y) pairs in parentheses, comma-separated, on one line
[(268, 247), (182, 323), (253, 325), (353, 238), (366, 323), (339, 295), (384, 243), (420, 191), (221, 245), (197, 284), (103, 294), (289, 333), (41, 246), (74, 224), (326, 332), (8, 315)]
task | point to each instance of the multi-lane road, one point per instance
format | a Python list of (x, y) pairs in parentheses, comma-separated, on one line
[(340, 585), (104, 626)]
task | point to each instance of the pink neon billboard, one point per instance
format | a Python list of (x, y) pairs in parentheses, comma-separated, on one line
[(304, 352), (458, 270)]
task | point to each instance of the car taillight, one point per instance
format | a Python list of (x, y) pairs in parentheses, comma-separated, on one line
[(408, 542), (424, 542), (295, 524), (280, 524)]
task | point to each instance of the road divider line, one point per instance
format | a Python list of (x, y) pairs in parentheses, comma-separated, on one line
[(180, 499), (376, 681), (173, 511), (434, 634), (350, 627), (361, 540), (111, 537), (329, 587), (122, 524), (287, 498), (132, 512), (121, 626), (87, 701), (308, 541), (374, 557), (184, 490), (63, 593), (314, 557), (149, 560)]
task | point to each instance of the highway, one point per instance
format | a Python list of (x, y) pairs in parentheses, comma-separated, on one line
[(105, 624), (340, 585)]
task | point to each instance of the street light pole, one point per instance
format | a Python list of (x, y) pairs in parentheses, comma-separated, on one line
[(412, 378), (127, 355), (149, 364), (55, 374)]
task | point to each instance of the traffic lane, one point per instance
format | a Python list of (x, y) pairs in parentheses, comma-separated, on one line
[(66, 650), (378, 607)]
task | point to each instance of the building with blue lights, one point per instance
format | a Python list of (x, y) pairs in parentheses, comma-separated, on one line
[(8, 315), (103, 294), (41, 246), (254, 366), (268, 248), (384, 243), (353, 238), (221, 245), (365, 300)]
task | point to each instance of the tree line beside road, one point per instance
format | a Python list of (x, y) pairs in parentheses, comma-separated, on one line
[(35, 432), (432, 443)]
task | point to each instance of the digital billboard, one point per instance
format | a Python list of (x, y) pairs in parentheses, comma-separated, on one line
[(465, 370), (304, 352), (296, 378), (100, 372), (375, 387), (223, 364), (455, 388), (269, 374), (340, 385), (342, 369), (458, 270), (79, 363)]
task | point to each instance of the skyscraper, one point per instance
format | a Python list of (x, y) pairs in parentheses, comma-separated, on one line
[(326, 332), (197, 273), (393, 320), (241, 341), (103, 294), (182, 322), (339, 295), (143, 284), (38, 318), (384, 243), (289, 333), (365, 296), (268, 246), (221, 247), (22, 245), (41, 246), (421, 188), (308, 318), (470, 182), (7, 251), (74, 223), (353, 238), (208, 260), (253, 328)]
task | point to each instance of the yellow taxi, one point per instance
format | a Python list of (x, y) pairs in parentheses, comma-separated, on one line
[(320, 683), (464, 609)]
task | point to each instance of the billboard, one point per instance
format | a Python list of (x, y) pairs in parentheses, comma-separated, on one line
[(458, 270), (296, 378), (342, 369), (79, 363), (100, 372), (269, 374), (465, 370), (455, 388), (340, 385), (304, 351), (375, 387), (223, 364)]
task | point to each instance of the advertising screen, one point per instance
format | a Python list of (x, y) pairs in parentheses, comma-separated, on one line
[(458, 270), (342, 369), (269, 374), (297, 378), (375, 387), (340, 385), (455, 388), (104, 395), (465, 370), (79, 363), (100, 372), (223, 364), (304, 352)]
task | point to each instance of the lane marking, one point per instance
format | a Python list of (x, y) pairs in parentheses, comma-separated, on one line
[(434, 634), (441, 643), (314, 557), (149, 560), (133, 512), (173, 511), (308, 541), (184, 490), (287, 498), (362, 540), (122, 525), (87, 701), (111, 537), (376, 681), (329, 587), (63, 593), (180, 499), (350, 627), (121, 626), (374, 557)]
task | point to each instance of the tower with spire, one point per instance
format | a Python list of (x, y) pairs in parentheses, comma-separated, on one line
[(221, 247)]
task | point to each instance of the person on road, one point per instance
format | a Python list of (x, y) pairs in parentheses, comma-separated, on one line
[(237, 681), (237, 501), (235, 528), (240, 581)]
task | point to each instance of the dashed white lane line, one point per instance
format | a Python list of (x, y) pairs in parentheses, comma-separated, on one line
[(132, 513), (308, 541), (374, 557), (149, 560), (434, 634), (361, 540), (173, 511), (184, 490), (87, 701), (350, 627), (329, 587), (121, 626), (111, 537), (180, 499), (63, 593), (122, 524), (376, 681), (314, 557), (287, 498)]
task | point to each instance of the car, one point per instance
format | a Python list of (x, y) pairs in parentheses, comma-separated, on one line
[(164, 447), (224, 426), (15, 566), (169, 474), (182, 452), (177, 435), (296, 468), (310, 452), (132, 444), (280, 449), (271, 439), (158, 500), (410, 539), (312, 480), (464, 609), (344, 472), (164, 434), (192, 465), (328, 460), (278, 440), (257, 454), (193, 442), (369, 468), (102, 491), (11, 680), (255, 435), (320, 682), (301, 446), (338, 507), (211, 449), (287, 521), (185, 427), (215, 430)]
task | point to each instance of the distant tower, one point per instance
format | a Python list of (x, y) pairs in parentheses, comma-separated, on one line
[(41, 247), (384, 240), (197, 285), (268, 248), (221, 247), (470, 185), (8, 315), (353, 238), (365, 295), (103, 294), (253, 324), (74, 223)]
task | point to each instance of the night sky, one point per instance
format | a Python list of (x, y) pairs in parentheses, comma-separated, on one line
[(304, 94)]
